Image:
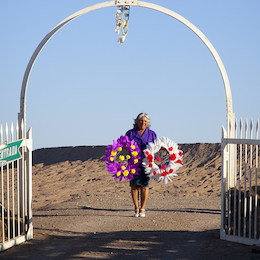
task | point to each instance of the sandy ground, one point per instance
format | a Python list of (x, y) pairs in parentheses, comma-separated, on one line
[(81, 212)]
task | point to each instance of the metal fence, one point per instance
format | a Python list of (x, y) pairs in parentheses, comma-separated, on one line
[(16, 186), (240, 209)]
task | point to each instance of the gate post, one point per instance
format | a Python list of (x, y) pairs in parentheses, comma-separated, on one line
[(224, 167), (29, 233)]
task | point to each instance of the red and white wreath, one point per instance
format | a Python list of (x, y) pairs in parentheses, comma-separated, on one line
[(167, 170)]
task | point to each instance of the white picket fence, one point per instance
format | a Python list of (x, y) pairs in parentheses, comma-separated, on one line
[(240, 209), (16, 187)]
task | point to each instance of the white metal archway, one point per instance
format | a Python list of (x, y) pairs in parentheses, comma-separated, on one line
[(230, 114)]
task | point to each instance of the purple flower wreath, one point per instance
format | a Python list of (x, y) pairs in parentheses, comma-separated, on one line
[(118, 169)]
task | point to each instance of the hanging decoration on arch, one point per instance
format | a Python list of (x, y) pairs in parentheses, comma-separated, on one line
[(123, 166), (152, 163), (122, 19)]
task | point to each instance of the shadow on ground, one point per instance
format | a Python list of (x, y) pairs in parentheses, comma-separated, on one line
[(132, 245)]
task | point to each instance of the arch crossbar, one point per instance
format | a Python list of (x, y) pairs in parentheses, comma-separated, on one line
[(22, 114)]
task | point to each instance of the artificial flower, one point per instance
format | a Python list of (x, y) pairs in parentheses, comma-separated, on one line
[(173, 157), (113, 153), (121, 39), (124, 22), (118, 23), (134, 153), (121, 157), (165, 171), (122, 18), (179, 161), (115, 168), (150, 158), (126, 173)]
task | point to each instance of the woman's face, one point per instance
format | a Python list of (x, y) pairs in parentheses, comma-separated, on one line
[(142, 123)]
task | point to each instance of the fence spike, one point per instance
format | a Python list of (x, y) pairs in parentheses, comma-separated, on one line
[(6, 132), (224, 132), (12, 131), (235, 128), (22, 129), (257, 128), (1, 134), (230, 125), (241, 127), (17, 130), (251, 128), (246, 129)]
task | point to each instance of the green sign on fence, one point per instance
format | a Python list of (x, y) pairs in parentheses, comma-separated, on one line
[(11, 151)]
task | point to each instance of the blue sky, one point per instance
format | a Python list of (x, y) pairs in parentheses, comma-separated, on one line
[(85, 88)]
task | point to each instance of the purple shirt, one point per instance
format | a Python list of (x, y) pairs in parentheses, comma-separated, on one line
[(147, 137)]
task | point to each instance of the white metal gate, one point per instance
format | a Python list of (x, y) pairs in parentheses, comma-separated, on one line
[(16, 186), (240, 209)]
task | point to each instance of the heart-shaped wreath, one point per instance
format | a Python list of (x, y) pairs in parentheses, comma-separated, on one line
[(123, 166), (167, 170)]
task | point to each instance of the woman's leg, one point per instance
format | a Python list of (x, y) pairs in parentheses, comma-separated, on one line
[(135, 193), (144, 196)]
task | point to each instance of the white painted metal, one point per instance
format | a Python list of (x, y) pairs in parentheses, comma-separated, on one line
[(240, 209), (126, 2), (18, 178), (12, 167), (224, 160), (230, 114), (7, 189), (16, 191), (29, 233)]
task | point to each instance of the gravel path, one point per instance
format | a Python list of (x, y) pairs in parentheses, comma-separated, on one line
[(102, 227)]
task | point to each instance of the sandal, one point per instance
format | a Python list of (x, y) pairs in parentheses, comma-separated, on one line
[(142, 213), (136, 213)]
